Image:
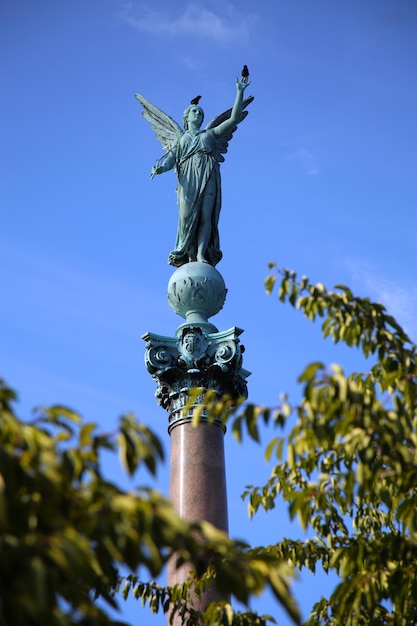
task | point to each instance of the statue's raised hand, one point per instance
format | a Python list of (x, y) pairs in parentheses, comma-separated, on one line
[(241, 84)]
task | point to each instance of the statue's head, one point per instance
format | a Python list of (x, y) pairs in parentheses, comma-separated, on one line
[(193, 112)]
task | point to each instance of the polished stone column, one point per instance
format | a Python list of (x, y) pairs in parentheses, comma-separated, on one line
[(198, 475), (198, 487)]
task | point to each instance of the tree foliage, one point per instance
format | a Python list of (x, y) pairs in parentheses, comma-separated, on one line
[(347, 469), (65, 529), (344, 464)]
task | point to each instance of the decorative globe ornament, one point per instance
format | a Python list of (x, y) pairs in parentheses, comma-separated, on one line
[(196, 291)]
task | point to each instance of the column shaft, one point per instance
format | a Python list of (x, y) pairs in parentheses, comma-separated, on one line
[(197, 487)]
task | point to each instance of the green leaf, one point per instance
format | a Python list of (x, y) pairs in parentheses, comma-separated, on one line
[(310, 371), (85, 434)]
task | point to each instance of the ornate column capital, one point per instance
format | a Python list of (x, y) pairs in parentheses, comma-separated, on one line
[(195, 358)]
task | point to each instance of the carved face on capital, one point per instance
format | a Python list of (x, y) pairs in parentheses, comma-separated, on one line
[(193, 344)]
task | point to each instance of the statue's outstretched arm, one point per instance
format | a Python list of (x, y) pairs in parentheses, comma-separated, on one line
[(163, 165), (235, 117)]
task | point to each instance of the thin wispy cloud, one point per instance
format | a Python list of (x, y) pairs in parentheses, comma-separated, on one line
[(193, 21), (400, 300), (305, 160)]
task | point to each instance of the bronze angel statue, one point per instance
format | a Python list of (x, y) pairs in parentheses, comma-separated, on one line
[(196, 155)]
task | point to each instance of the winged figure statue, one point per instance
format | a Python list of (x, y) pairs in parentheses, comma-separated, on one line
[(196, 154)]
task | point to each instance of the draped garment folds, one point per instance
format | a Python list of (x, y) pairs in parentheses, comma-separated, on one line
[(197, 167)]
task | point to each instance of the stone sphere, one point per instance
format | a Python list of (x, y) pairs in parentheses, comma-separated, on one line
[(196, 291)]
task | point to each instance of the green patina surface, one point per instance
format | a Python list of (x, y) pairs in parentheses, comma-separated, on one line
[(196, 154)]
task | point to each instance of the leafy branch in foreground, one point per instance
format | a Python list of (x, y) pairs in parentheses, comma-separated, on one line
[(65, 529), (347, 469), (175, 600)]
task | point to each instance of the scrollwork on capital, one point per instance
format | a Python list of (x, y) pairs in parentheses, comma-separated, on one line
[(159, 358), (228, 354)]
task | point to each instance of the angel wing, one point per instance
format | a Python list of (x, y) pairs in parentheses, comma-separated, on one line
[(167, 130), (223, 141)]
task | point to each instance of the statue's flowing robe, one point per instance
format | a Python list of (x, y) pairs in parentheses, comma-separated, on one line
[(197, 164)]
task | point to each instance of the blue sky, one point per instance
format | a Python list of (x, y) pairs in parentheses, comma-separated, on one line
[(320, 177)]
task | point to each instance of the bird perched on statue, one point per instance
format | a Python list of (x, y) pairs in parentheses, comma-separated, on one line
[(245, 72), (195, 100)]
